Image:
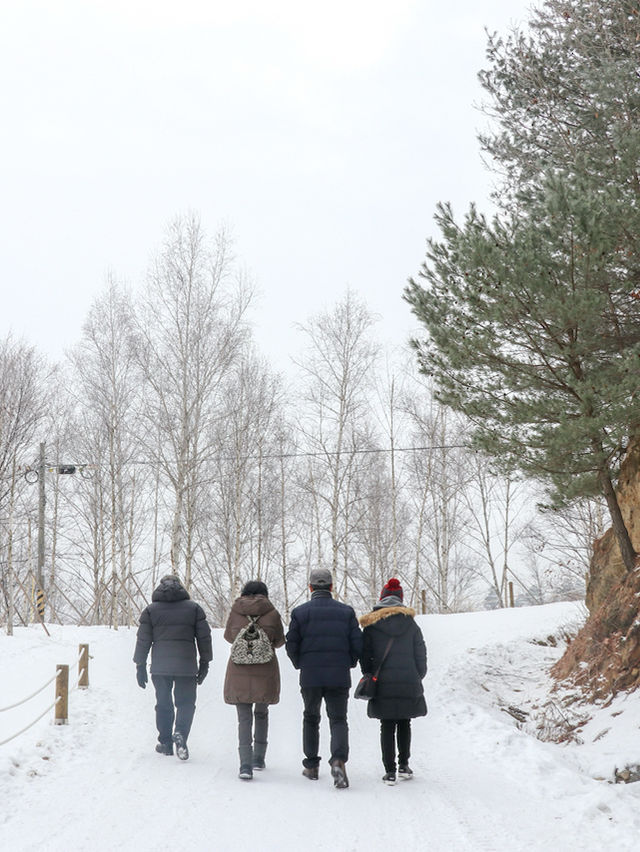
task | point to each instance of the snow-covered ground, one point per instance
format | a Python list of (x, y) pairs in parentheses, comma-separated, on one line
[(482, 781)]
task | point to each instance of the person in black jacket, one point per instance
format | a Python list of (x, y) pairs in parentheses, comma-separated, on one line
[(391, 628), (324, 642), (171, 626)]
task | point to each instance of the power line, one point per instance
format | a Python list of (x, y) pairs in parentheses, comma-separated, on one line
[(85, 469), (324, 453)]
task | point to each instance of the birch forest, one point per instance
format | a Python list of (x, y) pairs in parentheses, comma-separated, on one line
[(166, 443)]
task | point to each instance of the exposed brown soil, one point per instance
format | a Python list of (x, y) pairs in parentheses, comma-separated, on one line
[(604, 658)]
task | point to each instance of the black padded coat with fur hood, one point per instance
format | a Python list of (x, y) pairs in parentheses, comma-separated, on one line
[(400, 694)]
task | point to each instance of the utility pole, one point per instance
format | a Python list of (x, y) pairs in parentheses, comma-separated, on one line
[(31, 476), (41, 505)]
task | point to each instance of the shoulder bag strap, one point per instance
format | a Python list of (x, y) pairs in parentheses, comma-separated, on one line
[(384, 657)]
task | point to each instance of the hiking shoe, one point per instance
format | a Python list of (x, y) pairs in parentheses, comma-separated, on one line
[(164, 748), (339, 772), (182, 751), (404, 771), (246, 772), (389, 778), (258, 763), (310, 772)]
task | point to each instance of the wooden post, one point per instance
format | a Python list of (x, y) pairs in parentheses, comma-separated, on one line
[(423, 595), (83, 667), (511, 603), (62, 696)]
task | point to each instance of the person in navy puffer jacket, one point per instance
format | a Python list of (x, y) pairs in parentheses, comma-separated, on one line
[(324, 642)]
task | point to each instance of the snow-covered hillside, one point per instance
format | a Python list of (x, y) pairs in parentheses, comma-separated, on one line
[(481, 782)]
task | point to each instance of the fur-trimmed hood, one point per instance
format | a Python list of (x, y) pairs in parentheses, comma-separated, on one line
[(379, 614)]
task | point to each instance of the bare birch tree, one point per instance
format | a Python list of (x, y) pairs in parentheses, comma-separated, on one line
[(494, 504), (108, 396), (336, 372), (243, 518), (190, 329), (23, 397), (440, 476), (23, 377), (558, 546)]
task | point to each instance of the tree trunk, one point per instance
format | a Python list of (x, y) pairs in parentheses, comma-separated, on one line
[(10, 580), (627, 550), (259, 513), (283, 535)]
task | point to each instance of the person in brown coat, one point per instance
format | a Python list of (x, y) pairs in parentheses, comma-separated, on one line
[(254, 686)]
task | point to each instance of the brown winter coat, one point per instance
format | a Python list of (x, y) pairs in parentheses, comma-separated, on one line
[(259, 683)]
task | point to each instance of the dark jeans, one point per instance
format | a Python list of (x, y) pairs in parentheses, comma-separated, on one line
[(253, 727), (174, 692), (389, 730), (335, 701)]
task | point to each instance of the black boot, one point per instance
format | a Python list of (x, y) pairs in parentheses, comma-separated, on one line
[(164, 748), (182, 751), (246, 772), (339, 772)]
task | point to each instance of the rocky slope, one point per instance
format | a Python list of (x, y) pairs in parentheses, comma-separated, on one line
[(607, 569), (604, 658)]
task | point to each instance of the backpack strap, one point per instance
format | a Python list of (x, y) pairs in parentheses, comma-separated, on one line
[(251, 622)]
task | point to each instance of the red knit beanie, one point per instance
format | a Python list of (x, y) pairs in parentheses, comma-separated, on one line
[(393, 587)]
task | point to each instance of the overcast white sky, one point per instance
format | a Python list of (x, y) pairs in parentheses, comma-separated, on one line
[(323, 134)]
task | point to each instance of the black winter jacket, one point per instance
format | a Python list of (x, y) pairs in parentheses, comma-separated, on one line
[(171, 626), (324, 641), (400, 694)]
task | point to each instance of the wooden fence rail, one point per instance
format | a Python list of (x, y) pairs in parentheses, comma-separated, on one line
[(60, 705)]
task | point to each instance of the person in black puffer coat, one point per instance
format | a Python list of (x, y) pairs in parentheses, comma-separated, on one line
[(399, 693), (172, 626)]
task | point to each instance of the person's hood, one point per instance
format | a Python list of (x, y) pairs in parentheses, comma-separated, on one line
[(252, 605), (388, 600), (393, 620), (170, 589)]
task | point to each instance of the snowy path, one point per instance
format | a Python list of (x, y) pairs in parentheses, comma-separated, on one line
[(480, 783)]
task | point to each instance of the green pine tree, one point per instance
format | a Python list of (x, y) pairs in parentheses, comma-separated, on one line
[(533, 318)]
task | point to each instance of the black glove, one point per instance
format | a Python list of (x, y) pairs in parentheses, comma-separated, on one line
[(141, 675), (203, 670)]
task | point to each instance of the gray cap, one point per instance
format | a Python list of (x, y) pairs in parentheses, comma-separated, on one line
[(320, 577)]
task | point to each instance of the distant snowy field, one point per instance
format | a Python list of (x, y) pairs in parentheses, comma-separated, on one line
[(481, 782)]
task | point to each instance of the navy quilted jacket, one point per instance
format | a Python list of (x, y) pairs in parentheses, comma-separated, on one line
[(324, 641)]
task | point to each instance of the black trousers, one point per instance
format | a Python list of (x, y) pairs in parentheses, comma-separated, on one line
[(175, 699), (390, 729), (335, 701)]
